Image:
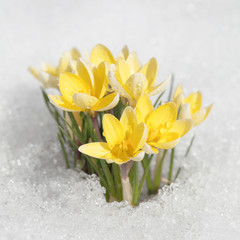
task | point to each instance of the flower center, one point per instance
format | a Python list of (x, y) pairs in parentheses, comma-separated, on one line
[(122, 150), (154, 134)]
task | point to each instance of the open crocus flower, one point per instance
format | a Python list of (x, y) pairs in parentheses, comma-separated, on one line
[(99, 54), (191, 106), (125, 139), (48, 75), (85, 91), (131, 80), (164, 130)]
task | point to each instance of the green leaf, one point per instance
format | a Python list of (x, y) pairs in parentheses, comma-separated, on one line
[(75, 126), (146, 171), (135, 184), (159, 97), (157, 179), (171, 166), (190, 146), (171, 89), (108, 176), (148, 175), (177, 174), (117, 181), (64, 150)]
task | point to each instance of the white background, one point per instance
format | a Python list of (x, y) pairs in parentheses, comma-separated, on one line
[(198, 41)]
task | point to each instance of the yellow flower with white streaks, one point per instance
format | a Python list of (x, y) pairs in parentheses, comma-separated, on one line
[(190, 107), (164, 130), (131, 80), (125, 139), (48, 75), (85, 90)]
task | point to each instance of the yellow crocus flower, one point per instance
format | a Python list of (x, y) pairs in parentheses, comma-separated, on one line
[(48, 75), (131, 80), (85, 90), (191, 106), (125, 139), (164, 130)]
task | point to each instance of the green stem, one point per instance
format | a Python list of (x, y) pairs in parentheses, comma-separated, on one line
[(108, 175), (117, 181), (135, 184), (96, 127), (148, 175), (158, 175), (171, 166), (146, 171)]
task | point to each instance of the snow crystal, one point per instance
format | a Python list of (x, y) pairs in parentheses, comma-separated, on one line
[(198, 41)]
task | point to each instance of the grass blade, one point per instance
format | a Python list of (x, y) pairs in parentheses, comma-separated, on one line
[(64, 150), (171, 166), (135, 184), (190, 146)]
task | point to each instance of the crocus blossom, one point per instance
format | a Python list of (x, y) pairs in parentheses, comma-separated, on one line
[(48, 75), (190, 107), (85, 90), (164, 130), (131, 80), (125, 139)]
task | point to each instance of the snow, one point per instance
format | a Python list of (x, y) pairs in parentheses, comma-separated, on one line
[(198, 41)]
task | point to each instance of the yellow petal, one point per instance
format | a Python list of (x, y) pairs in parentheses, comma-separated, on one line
[(179, 100), (95, 149), (100, 53), (153, 90), (184, 111), (63, 65), (33, 71), (112, 130), (124, 52), (61, 103), (149, 149), (178, 91), (84, 101), (195, 100), (75, 53), (162, 115), (138, 156), (136, 85), (167, 145), (167, 141), (69, 84), (50, 69), (133, 62), (48, 80), (181, 127), (106, 103), (100, 80), (122, 71), (128, 121), (201, 115), (143, 108), (116, 86), (85, 73), (73, 65), (150, 70), (139, 137), (111, 158)]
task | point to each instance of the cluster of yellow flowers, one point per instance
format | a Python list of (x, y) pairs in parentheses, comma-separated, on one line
[(97, 83)]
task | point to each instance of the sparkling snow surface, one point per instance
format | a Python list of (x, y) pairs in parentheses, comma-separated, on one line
[(198, 41)]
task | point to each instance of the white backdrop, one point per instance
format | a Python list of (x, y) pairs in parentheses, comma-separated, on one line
[(196, 40)]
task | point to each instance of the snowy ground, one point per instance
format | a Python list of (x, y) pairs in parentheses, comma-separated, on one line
[(198, 41)]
